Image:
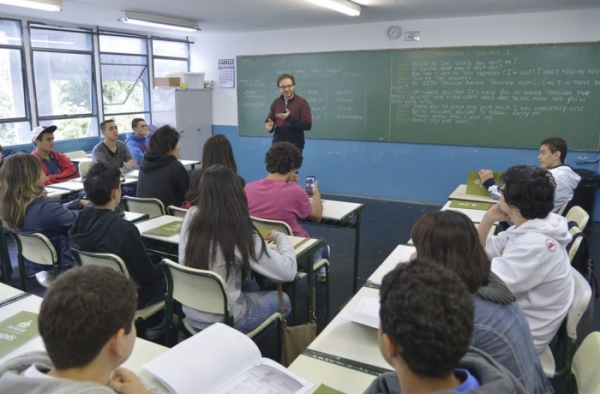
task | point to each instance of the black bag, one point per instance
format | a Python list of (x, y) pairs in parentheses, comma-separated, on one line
[(582, 261)]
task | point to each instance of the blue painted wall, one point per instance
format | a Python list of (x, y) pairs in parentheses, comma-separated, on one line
[(395, 171)]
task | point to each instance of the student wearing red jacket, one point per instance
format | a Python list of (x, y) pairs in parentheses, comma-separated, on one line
[(56, 166)]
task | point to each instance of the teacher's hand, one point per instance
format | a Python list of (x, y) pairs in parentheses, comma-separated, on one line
[(284, 115), (269, 125)]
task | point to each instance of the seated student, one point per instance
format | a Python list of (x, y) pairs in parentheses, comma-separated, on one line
[(218, 235), (426, 322), (162, 176), (24, 208), (450, 239), (86, 323), (100, 229), (530, 257), (278, 196), (111, 149), (138, 140), (217, 150), (553, 152), (56, 166)]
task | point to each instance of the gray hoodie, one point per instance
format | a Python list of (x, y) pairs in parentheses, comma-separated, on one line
[(13, 381), (493, 377)]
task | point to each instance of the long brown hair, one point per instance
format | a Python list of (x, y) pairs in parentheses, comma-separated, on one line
[(222, 221), (217, 150), (450, 238), (19, 177)]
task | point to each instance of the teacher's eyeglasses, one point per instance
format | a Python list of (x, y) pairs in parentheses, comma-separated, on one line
[(286, 87)]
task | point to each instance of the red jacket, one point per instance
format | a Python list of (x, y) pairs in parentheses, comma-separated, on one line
[(66, 166)]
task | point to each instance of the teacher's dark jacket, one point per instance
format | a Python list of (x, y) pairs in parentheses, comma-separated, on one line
[(163, 177), (292, 128)]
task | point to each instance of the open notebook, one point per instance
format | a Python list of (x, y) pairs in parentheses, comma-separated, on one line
[(222, 360)]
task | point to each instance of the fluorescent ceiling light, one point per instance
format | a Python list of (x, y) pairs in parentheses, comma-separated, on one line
[(161, 22), (343, 6), (44, 5)]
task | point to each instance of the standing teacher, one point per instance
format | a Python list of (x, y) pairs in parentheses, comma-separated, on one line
[(289, 115)]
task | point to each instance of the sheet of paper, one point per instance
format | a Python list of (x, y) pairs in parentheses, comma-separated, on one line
[(266, 377), (365, 313)]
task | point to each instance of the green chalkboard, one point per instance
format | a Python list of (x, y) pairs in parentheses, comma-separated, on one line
[(509, 96)]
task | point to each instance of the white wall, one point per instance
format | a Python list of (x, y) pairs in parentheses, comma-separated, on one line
[(548, 27)]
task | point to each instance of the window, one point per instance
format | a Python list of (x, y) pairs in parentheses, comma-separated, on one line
[(170, 57), (15, 122), (125, 79), (65, 78), (63, 73)]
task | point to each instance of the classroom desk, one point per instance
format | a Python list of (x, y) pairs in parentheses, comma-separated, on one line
[(304, 251), (55, 192), (340, 214), (460, 193), (476, 215), (125, 180), (9, 293), (401, 254), (317, 371), (191, 163), (185, 162), (352, 343), (134, 217), (490, 233), (143, 351), (72, 185)]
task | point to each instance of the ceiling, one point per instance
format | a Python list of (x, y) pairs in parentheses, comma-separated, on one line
[(235, 16)]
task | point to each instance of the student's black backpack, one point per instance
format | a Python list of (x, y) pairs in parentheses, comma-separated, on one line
[(582, 261)]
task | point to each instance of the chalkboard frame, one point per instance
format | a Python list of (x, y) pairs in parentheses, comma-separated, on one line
[(587, 141)]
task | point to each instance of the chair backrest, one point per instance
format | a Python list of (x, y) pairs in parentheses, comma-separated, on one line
[(562, 208), (575, 245), (152, 206), (75, 154), (36, 248), (578, 215), (581, 299), (266, 225), (109, 260), (205, 291), (176, 211), (585, 365), (84, 167)]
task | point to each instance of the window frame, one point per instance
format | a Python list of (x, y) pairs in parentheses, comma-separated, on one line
[(148, 57), (186, 59), (25, 81), (94, 102)]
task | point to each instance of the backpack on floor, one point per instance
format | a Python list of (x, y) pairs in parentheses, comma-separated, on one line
[(582, 261)]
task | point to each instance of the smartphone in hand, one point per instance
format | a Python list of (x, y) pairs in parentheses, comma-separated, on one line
[(310, 182)]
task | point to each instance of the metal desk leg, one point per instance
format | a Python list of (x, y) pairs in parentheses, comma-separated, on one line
[(310, 283), (356, 252)]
